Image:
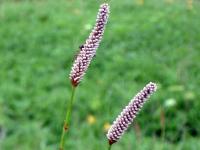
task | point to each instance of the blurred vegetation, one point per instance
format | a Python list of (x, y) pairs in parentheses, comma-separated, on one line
[(144, 41)]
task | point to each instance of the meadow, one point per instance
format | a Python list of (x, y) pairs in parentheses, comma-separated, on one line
[(155, 41)]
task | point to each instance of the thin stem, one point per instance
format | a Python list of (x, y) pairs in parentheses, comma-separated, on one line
[(67, 119), (162, 118), (109, 146)]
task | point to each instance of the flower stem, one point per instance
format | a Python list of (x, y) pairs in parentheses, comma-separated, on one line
[(67, 119), (109, 146)]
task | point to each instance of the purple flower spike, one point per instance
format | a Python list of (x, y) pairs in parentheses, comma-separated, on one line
[(88, 50), (127, 116)]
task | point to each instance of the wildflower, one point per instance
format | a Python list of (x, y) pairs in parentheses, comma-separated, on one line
[(126, 117), (88, 50), (140, 2), (171, 102), (169, 1), (190, 4), (82, 61), (106, 127), (91, 119)]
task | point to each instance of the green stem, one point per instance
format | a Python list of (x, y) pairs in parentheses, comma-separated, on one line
[(109, 147), (67, 119)]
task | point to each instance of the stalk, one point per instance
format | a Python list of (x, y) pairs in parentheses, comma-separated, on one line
[(109, 147), (67, 119)]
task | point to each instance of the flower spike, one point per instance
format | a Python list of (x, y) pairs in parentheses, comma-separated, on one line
[(88, 50), (128, 114)]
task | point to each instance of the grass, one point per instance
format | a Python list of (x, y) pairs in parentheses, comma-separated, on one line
[(154, 42)]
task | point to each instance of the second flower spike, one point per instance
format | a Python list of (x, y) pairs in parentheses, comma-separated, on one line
[(88, 50), (126, 117)]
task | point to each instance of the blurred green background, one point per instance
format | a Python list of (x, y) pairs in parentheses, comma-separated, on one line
[(154, 40)]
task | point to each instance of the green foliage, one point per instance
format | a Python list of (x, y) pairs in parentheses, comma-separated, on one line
[(151, 42)]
